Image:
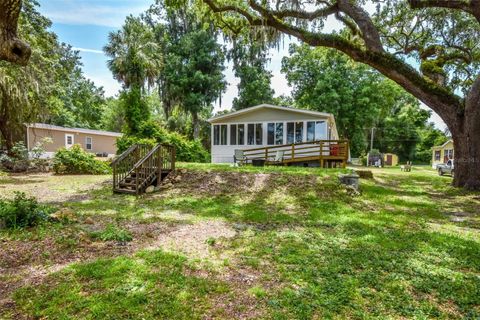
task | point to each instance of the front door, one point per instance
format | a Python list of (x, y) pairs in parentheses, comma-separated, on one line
[(69, 140), (389, 160)]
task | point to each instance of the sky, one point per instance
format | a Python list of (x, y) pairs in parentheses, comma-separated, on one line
[(85, 25)]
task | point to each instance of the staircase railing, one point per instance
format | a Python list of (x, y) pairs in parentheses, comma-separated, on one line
[(123, 164), (159, 160)]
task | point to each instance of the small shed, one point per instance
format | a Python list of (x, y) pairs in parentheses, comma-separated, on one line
[(390, 159)]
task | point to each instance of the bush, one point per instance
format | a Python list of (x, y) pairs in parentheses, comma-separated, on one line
[(23, 211), (17, 160), (77, 161), (113, 233), (186, 150)]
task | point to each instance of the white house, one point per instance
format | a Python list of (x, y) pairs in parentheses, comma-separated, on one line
[(267, 125)]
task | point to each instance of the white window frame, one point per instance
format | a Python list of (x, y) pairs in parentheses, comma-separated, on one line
[(67, 135), (86, 143)]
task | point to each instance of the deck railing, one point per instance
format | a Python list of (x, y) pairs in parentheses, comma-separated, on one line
[(305, 151)]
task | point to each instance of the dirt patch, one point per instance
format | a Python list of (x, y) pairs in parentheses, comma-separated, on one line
[(47, 187), (196, 240)]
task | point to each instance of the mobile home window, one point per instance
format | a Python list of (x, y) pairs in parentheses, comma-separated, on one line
[(271, 133), (290, 132), (241, 134), (88, 143), (250, 133), (279, 133), (314, 130), (223, 134), (220, 134), (216, 135), (233, 134), (437, 155), (294, 132), (259, 134)]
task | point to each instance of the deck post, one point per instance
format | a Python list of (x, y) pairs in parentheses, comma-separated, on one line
[(321, 154), (266, 153), (172, 161), (160, 165), (293, 151)]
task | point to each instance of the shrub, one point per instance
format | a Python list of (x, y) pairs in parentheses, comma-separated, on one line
[(113, 233), (23, 211), (17, 160), (186, 150), (77, 161)]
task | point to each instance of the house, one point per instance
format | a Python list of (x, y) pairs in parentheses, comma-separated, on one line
[(101, 143), (390, 159), (266, 128), (441, 154)]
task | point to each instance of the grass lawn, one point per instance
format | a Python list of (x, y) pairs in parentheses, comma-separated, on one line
[(225, 243)]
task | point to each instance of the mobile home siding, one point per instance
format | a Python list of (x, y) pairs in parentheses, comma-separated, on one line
[(100, 143)]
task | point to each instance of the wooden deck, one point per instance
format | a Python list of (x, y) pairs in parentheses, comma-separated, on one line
[(327, 153)]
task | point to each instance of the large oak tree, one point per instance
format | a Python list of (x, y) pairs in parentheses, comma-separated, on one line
[(429, 47)]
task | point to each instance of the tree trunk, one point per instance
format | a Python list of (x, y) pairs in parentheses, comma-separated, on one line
[(196, 125), (465, 134), (11, 48)]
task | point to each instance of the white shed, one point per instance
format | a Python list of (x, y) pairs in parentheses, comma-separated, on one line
[(267, 125)]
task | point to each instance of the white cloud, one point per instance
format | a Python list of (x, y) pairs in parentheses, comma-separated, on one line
[(88, 50)]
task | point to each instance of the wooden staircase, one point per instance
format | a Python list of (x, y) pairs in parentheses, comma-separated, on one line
[(140, 167)]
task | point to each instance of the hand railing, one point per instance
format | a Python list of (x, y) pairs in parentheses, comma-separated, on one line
[(123, 164)]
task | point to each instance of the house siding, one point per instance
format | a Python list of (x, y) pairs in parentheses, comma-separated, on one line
[(100, 143), (443, 153)]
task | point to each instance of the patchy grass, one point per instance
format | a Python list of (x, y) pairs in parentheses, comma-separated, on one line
[(274, 242)]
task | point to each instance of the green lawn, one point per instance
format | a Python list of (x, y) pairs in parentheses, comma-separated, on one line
[(272, 243)]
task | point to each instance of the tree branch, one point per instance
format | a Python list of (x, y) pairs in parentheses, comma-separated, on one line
[(12, 49), (470, 6)]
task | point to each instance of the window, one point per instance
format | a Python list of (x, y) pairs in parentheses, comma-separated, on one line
[(250, 133), (233, 134), (449, 153), (216, 135), (270, 133), (69, 140), (223, 134), (437, 155), (259, 134), (294, 132), (315, 130), (88, 143), (220, 134), (279, 133), (241, 134), (290, 132)]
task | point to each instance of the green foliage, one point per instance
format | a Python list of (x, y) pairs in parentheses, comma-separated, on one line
[(113, 233), (75, 160), (17, 160), (51, 88), (186, 150), (135, 109), (22, 212), (359, 97), (249, 62)]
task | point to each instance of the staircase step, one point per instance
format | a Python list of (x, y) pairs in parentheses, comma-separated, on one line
[(129, 191)]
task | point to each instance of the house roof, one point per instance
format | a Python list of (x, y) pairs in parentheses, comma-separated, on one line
[(269, 106), (79, 130), (443, 145)]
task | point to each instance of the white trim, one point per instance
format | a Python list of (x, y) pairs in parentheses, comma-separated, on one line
[(66, 140), (247, 110)]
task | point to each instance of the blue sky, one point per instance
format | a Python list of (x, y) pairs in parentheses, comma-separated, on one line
[(85, 25)]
